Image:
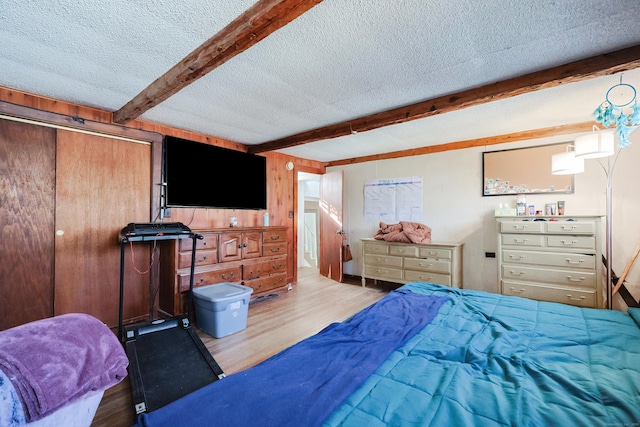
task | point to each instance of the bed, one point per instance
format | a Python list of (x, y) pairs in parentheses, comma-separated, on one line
[(430, 355)]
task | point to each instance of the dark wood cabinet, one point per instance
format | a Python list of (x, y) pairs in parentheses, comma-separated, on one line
[(236, 245), (255, 257)]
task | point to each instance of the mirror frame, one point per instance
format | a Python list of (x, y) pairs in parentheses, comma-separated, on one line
[(529, 167)]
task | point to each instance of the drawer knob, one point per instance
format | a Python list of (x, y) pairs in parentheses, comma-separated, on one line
[(227, 277), (575, 298), (520, 240), (275, 237), (571, 279), (516, 273), (578, 262), (566, 227), (517, 257), (569, 242), (516, 291), (275, 249)]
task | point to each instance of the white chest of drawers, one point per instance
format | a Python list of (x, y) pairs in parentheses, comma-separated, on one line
[(439, 263), (556, 259)]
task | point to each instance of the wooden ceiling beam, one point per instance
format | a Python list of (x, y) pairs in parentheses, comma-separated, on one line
[(259, 21), (609, 63), (480, 142)]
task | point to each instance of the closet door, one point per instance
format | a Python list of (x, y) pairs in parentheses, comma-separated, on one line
[(102, 185), (27, 192)]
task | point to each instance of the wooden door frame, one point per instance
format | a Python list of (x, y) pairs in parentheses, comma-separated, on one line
[(296, 213)]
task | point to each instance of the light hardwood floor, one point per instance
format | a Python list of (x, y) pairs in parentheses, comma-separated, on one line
[(272, 325)]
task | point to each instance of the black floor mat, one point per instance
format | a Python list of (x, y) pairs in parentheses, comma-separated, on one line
[(171, 366)]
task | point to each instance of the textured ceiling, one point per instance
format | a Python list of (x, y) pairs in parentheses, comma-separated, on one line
[(339, 61)]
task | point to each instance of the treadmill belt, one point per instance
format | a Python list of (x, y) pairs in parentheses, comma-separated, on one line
[(171, 366)]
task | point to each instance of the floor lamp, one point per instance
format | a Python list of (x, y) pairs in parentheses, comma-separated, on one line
[(600, 143), (625, 117)]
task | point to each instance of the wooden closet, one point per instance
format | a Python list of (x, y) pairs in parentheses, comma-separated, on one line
[(64, 196)]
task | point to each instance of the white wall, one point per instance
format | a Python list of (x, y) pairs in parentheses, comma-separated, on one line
[(454, 208)]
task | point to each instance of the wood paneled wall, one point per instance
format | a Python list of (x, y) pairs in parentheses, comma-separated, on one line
[(282, 187)]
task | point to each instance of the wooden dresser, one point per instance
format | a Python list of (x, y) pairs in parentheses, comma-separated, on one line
[(556, 259), (255, 257), (439, 263)]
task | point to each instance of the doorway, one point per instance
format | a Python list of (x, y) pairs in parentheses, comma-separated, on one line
[(309, 221)]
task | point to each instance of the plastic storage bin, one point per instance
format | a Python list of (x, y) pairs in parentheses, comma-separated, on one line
[(221, 309)]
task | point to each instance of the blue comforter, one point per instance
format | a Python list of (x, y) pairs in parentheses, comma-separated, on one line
[(305, 383), (492, 360)]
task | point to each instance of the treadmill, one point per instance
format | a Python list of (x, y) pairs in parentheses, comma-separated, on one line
[(167, 358)]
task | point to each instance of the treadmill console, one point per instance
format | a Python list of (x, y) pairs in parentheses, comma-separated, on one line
[(139, 231)]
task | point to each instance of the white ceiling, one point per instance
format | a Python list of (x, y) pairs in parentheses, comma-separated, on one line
[(339, 61)]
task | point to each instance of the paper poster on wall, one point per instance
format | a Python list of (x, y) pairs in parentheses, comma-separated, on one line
[(393, 200)]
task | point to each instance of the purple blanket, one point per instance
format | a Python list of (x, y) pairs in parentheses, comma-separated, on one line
[(54, 361), (304, 384)]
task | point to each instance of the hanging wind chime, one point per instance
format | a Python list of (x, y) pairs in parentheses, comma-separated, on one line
[(620, 109)]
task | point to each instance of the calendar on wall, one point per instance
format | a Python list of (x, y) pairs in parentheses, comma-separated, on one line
[(394, 199)]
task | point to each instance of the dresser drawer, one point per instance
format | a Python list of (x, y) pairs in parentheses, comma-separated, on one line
[(269, 249), (436, 262), (426, 276), (208, 241), (571, 227), (208, 277), (382, 260), (581, 242), (427, 265), (522, 226), (268, 283), (578, 297), (204, 257), (274, 236), (376, 248), (384, 273), (434, 253), (556, 259), (560, 277), (410, 251), (263, 268), (529, 240)]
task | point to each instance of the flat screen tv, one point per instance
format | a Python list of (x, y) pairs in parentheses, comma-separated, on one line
[(206, 176)]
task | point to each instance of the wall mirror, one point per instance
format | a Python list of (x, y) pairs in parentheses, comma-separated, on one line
[(524, 170)]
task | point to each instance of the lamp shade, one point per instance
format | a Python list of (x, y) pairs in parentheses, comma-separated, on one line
[(600, 143), (566, 163)]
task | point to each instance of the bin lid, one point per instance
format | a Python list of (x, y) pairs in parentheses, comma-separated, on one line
[(222, 292)]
